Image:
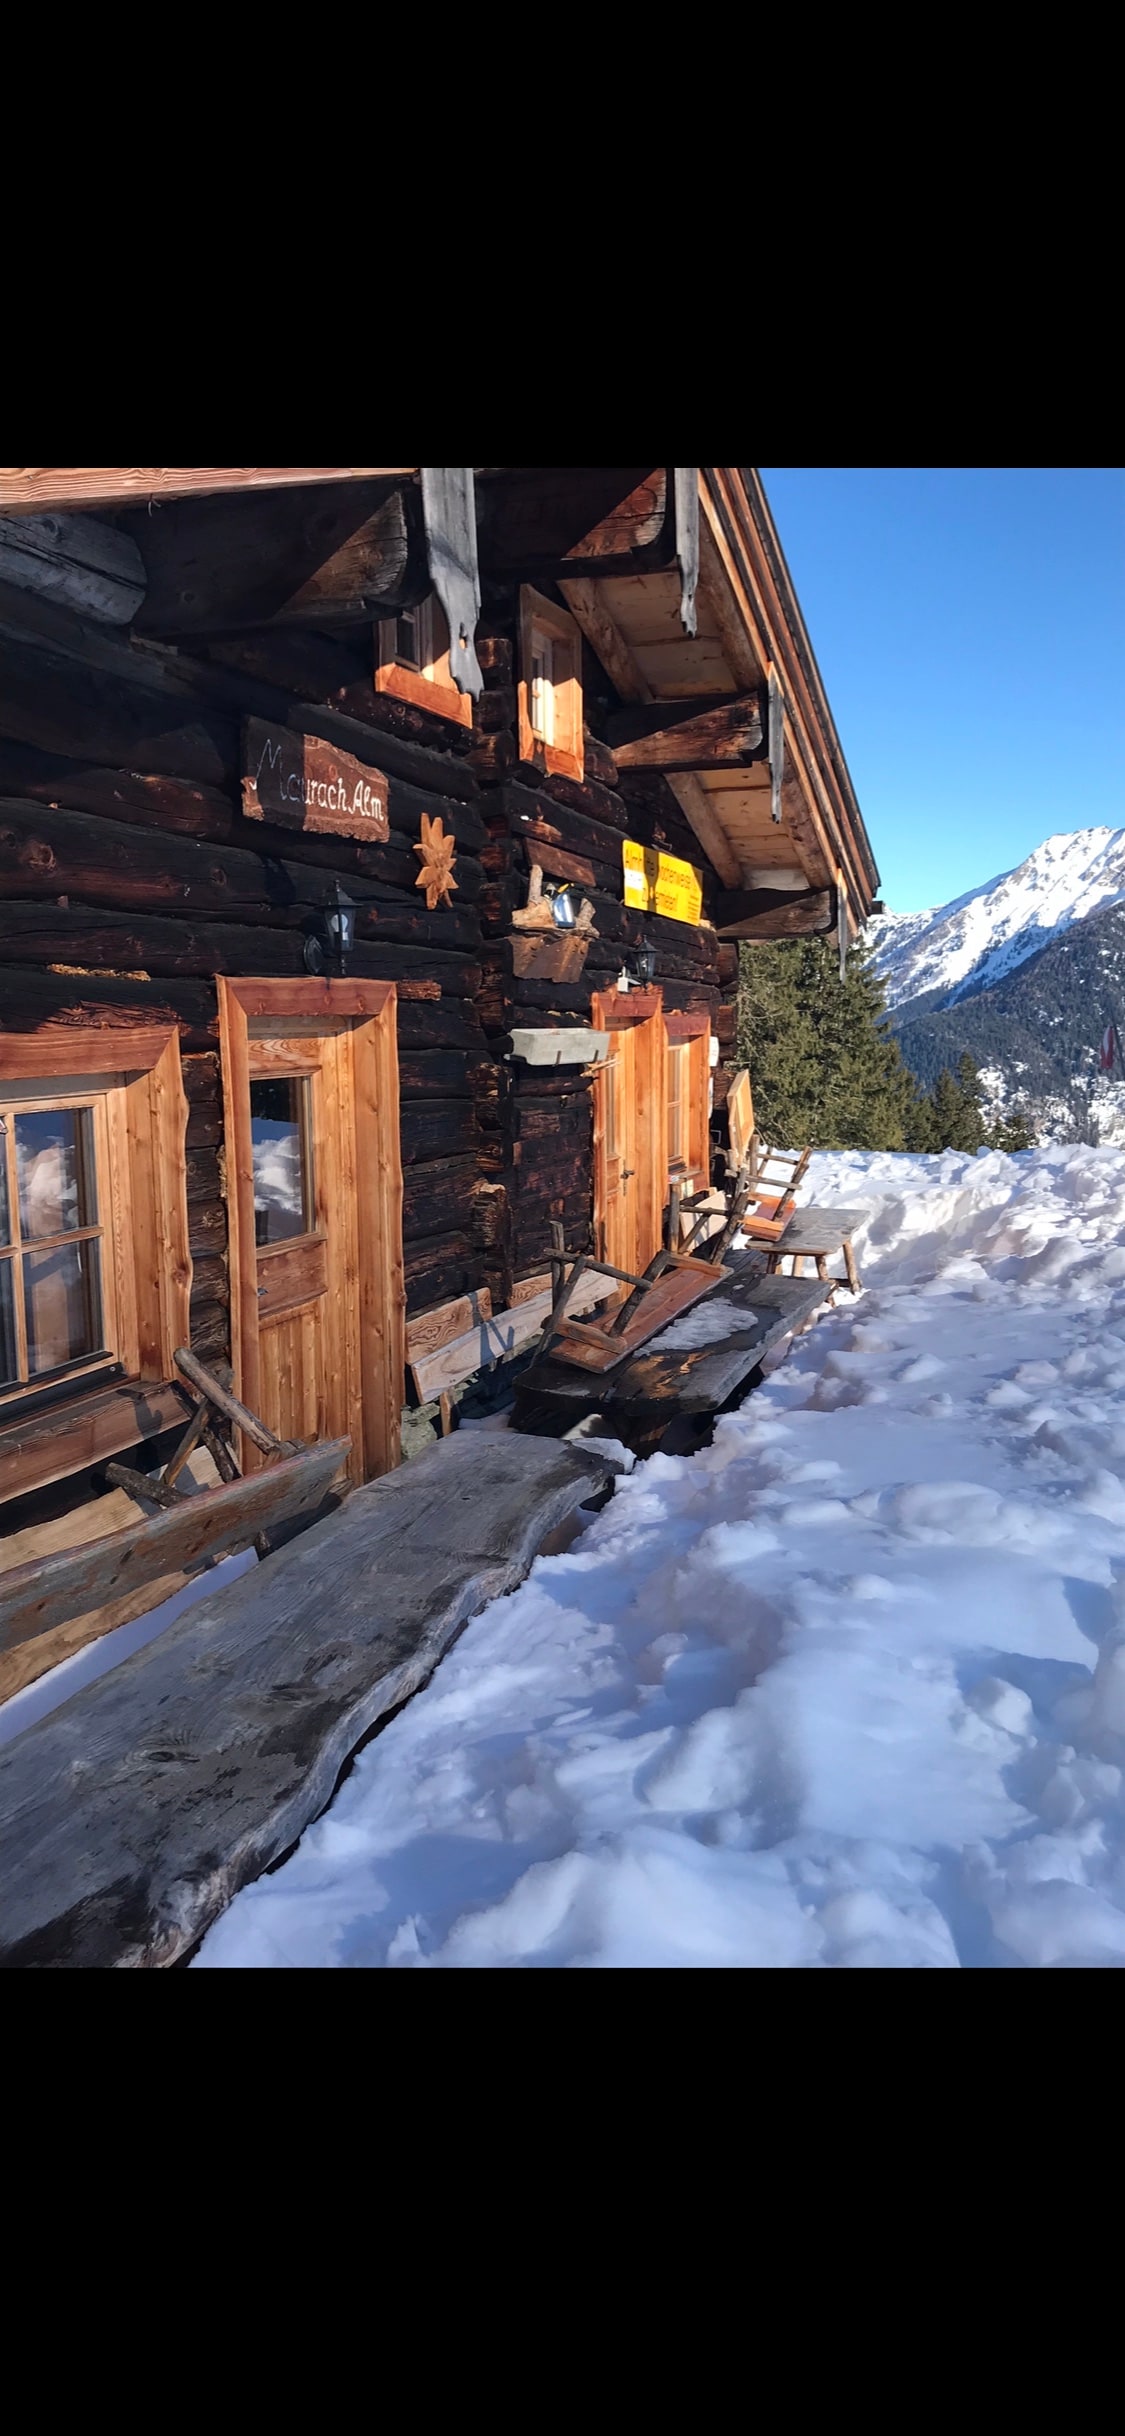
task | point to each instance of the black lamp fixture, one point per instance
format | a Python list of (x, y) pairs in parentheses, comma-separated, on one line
[(333, 935), (640, 963)]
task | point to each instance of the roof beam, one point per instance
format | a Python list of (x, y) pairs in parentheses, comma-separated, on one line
[(29, 489), (712, 735), (774, 913)]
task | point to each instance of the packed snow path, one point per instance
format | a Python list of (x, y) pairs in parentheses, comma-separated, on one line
[(846, 1688)]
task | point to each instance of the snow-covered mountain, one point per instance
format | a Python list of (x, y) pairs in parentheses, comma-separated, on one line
[(952, 951)]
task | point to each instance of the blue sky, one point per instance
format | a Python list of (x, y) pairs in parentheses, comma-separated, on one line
[(969, 623)]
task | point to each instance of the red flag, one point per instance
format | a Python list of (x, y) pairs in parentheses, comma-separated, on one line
[(1110, 1048)]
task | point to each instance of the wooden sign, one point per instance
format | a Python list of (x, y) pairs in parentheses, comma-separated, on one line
[(299, 782), (661, 883)]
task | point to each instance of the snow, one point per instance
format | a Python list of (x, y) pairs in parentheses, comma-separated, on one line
[(972, 942), (846, 1689)]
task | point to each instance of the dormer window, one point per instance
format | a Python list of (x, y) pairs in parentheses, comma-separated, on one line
[(550, 688)]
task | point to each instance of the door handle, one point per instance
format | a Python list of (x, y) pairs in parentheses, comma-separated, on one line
[(626, 1172)]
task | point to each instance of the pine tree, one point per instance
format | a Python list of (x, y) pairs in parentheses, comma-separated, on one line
[(1014, 1132), (824, 1066)]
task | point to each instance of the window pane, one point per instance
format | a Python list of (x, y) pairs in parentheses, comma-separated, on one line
[(63, 1305), (676, 1148), (279, 1133), (5, 1214), (9, 1366), (54, 1163), (610, 1071), (406, 637)]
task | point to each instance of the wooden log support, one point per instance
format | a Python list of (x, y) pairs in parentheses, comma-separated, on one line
[(134, 1813), (773, 913), (714, 735), (306, 556), (544, 522), (90, 566)]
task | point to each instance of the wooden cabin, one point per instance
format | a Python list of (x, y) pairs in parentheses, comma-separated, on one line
[(375, 845)]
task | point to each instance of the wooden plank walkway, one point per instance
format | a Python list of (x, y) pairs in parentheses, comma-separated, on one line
[(131, 1816)]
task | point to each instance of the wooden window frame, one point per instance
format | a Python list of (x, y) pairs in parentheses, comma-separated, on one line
[(430, 687), (144, 1178), (693, 1032), (542, 622), (69, 1096), (617, 1010), (377, 1187)]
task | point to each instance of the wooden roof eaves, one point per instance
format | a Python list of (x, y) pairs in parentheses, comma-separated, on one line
[(779, 567), (28, 490), (725, 501)]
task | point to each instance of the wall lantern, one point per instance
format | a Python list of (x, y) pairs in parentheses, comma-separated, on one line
[(333, 935), (640, 964)]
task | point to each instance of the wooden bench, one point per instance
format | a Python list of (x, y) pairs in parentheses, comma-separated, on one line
[(816, 1234), (132, 1815)]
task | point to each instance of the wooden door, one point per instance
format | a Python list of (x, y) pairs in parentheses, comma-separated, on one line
[(314, 1190), (630, 1127)]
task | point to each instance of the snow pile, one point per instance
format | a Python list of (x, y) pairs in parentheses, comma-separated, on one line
[(846, 1689), (977, 938)]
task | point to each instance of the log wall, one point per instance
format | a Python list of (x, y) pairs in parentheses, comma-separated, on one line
[(131, 878), (535, 1123)]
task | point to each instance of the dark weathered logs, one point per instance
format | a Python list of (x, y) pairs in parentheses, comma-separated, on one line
[(495, 656), (93, 941), (414, 764), (91, 567), (530, 814), (155, 801), (587, 795), (434, 1074), (48, 853), (493, 757), (439, 1268), (599, 761), (432, 1189), (433, 1129), (65, 707), (495, 710), (441, 1023)]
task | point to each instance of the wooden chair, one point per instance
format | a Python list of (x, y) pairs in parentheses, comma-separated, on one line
[(757, 1202), (758, 1158), (672, 1281)]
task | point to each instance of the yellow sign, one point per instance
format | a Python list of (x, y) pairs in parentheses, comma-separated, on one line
[(660, 883)]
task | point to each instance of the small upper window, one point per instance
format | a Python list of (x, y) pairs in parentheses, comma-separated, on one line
[(550, 690), (412, 661)]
